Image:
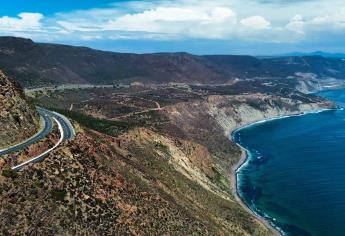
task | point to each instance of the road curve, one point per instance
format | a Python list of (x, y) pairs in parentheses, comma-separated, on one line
[(41, 156), (67, 128), (66, 133), (47, 127)]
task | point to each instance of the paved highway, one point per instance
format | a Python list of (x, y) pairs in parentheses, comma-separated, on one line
[(47, 127), (68, 130), (66, 133)]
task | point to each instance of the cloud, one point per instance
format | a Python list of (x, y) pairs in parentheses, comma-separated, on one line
[(24, 22), (243, 21), (164, 21), (296, 24), (184, 19), (335, 21), (331, 23), (256, 22), (188, 21)]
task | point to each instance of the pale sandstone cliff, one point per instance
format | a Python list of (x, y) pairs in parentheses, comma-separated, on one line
[(232, 112), (201, 121), (244, 113)]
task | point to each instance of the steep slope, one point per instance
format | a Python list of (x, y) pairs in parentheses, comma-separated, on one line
[(18, 119), (180, 153), (140, 183)]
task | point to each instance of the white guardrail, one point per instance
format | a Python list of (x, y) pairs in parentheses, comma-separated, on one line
[(41, 156)]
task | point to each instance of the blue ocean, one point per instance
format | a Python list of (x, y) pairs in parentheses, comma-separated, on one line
[(295, 173)]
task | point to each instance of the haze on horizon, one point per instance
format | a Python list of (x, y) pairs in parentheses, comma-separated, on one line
[(256, 27)]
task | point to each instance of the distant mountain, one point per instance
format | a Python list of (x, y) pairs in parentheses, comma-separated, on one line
[(316, 53), (37, 64), (18, 119), (34, 64)]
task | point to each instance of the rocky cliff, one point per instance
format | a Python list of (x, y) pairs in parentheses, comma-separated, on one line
[(18, 119), (256, 107), (231, 112), (211, 121)]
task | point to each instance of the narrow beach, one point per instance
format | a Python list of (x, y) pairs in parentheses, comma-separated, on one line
[(243, 160)]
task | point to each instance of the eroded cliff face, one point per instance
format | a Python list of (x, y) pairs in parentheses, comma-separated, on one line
[(211, 121), (231, 112), (311, 83), (252, 108), (18, 119)]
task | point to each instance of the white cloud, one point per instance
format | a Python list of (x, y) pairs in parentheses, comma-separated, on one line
[(296, 24), (256, 22), (188, 21), (24, 22), (239, 20), (91, 37), (320, 23), (335, 21)]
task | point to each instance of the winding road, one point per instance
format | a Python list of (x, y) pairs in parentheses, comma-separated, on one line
[(47, 127), (47, 117), (68, 132)]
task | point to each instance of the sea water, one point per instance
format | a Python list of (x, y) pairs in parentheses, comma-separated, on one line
[(295, 174)]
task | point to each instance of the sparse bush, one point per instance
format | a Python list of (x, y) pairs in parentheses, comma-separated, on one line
[(39, 174), (9, 173), (162, 147), (59, 194)]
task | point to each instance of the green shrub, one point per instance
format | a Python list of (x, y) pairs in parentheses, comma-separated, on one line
[(9, 173), (59, 194)]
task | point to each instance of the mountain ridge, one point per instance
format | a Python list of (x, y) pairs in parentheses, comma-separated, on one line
[(40, 64), (314, 53)]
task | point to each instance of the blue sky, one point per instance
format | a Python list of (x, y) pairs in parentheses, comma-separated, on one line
[(257, 27)]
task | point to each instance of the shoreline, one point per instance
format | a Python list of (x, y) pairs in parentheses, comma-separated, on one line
[(244, 160)]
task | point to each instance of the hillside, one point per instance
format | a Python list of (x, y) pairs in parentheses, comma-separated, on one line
[(38, 64), (146, 160), (139, 168), (162, 172), (93, 185), (18, 119)]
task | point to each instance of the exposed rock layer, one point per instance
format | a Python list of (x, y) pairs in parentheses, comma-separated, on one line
[(18, 119), (231, 112)]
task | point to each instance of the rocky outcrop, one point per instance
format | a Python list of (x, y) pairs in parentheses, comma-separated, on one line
[(312, 83), (252, 108), (211, 121), (231, 112), (18, 119)]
